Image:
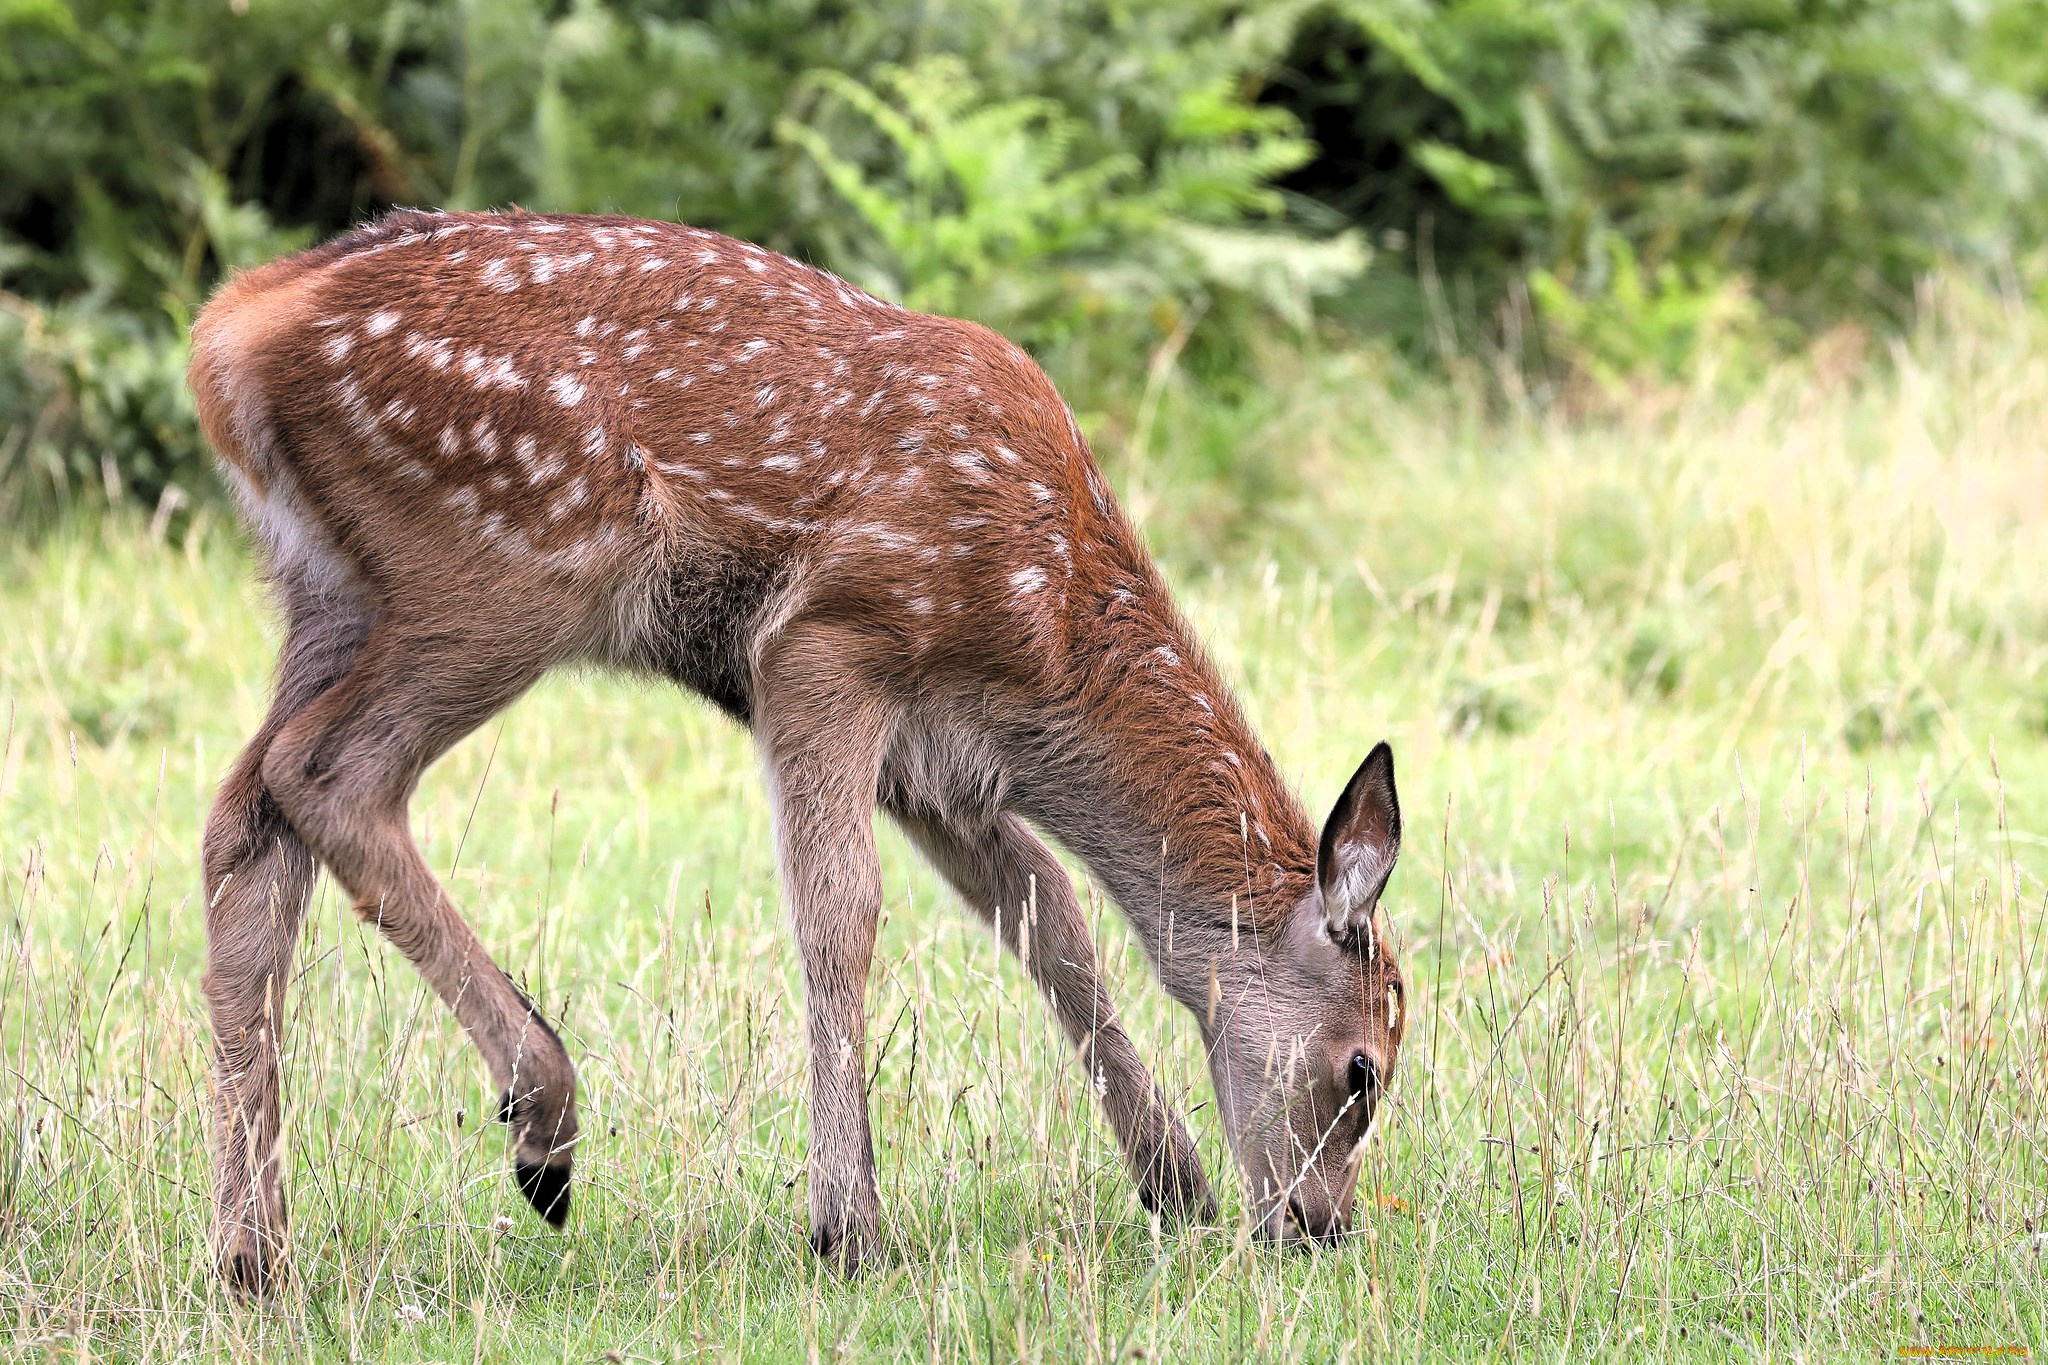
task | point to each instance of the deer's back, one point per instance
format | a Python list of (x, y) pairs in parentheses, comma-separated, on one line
[(636, 428)]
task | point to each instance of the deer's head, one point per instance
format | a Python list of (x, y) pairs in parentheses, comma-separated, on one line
[(1305, 1027)]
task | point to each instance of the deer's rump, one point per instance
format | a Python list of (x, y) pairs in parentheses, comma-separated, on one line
[(368, 415)]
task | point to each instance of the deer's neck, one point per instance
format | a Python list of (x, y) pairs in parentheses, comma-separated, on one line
[(1168, 796)]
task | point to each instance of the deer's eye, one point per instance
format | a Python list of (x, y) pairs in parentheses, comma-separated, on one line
[(1364, 1075)]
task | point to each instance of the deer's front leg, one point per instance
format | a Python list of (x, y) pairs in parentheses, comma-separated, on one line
[(821, 735), (1010, 878)]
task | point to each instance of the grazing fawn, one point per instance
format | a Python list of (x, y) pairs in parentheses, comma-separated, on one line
[(475, 446)]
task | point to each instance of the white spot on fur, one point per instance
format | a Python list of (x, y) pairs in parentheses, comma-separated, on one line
[(884, 536), (1028, 580), (351, 395), (379, 322), (438, 352), (567, 389)]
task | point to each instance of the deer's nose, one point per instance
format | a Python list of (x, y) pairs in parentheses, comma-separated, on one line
[(1325, 1225)]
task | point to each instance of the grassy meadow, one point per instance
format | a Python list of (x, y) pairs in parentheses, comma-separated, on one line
[(1721, 735)]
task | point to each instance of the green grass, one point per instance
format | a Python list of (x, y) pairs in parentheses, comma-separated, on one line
[(1721, 738)]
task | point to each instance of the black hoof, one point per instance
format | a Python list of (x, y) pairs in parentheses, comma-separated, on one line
[(847, 1251), (1177, 1191), (546, 1187), (246, 1268)]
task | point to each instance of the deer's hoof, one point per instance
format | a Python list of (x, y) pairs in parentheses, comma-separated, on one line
[(247, 1264), (1174, 1186), (846, 1245), (546, 1186)]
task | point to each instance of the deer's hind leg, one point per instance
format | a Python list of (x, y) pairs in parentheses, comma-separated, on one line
[(257, 876), (1011, 879), (344, 770)]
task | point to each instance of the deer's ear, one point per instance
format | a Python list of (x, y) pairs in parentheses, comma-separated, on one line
[(1356, 854)]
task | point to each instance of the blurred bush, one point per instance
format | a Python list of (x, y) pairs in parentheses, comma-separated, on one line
[(987, 208), (1820, 156), (1633, 327), (1593, 187)]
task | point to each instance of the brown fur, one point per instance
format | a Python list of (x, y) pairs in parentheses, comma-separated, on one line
[(478, 446)]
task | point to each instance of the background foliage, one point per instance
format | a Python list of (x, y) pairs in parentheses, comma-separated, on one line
[(1585, 189)]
